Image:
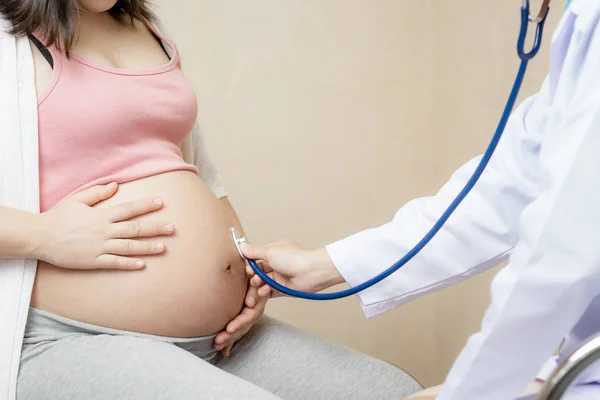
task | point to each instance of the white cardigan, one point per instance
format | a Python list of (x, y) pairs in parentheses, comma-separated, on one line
[(19, 188)]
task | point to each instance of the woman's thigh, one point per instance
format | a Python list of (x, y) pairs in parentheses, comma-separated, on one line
[(107, 367), (295, 365)]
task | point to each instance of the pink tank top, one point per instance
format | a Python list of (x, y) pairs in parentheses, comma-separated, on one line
[(100, 124)]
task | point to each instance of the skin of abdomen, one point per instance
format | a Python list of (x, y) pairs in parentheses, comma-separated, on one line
[(193, 289)]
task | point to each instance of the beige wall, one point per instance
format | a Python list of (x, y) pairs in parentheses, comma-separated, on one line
[(325, 116)]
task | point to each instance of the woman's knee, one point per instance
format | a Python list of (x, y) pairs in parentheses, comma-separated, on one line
[(273, 350)]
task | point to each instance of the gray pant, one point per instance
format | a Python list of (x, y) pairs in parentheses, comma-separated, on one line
[(65, 359)]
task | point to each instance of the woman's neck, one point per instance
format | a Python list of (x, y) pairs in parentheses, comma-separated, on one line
[(91, 24), (95, 20)]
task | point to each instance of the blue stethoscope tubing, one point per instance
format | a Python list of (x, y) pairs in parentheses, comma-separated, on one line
[(525, 58)]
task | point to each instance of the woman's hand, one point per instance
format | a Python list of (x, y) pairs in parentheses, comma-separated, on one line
[(292, 266), (254, 308), (74, 235)]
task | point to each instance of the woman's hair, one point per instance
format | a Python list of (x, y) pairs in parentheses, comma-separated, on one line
[(57, 19)]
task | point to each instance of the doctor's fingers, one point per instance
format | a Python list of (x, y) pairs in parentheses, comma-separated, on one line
[(253, 252), (263, 265)]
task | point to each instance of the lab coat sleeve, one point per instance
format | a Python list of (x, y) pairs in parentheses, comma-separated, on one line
[(553, 273), (479, 235)]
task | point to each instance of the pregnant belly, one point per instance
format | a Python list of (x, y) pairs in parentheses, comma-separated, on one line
[(194, 289)]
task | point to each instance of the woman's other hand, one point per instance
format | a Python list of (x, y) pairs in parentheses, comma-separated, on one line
[(254, 308), (293, 266), (75, 235)]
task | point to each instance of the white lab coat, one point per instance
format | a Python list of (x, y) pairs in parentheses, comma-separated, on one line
[(537, 204)]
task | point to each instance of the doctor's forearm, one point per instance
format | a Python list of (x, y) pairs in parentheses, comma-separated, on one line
[(326, 274), (480, 234)]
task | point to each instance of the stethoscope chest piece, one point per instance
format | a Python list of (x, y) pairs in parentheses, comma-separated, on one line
[(238, 241)]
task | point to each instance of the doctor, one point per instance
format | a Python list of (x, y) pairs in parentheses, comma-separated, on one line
[(537, 205)]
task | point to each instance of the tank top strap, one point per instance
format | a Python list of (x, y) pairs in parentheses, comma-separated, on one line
[(171, 49), (46, 51)]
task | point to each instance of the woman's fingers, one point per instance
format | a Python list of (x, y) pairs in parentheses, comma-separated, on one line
[(254, 297), (239, 326), (227, 350), (243, 322), (222, 340), (125, 211), (265, 291), (236, 329), (256, 281), (96, 194), (251, 296), (126, 247), (254, 278), (111, 261), (138, 229)]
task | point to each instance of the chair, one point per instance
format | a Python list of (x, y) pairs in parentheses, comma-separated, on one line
[(565, 374)]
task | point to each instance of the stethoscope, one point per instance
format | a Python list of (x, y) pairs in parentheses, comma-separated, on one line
[(526, 17)]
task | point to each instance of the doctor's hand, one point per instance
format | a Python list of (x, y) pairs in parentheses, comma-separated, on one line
[(292, 266)]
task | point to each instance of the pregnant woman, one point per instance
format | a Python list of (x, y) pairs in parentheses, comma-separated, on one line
[(106, 187)]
